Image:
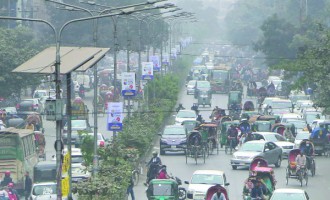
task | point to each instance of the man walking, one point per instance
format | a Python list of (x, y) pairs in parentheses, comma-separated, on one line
[(28, 186)]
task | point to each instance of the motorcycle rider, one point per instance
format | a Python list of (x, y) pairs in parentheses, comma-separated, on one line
[(180, 107), (7, 179), (153, 165), (271, 89), (195, 108), (163, 173)]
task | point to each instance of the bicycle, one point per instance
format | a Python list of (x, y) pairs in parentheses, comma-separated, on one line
[(230, 144), (136, 174)]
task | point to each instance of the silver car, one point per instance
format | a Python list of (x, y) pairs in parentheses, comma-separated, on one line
[(191, 87), (257, 148)]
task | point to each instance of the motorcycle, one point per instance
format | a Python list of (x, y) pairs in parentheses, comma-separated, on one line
[(182, 190)]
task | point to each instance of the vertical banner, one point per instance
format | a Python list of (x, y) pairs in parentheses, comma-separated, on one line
[(147, 70), (128, 84), (155, 60), (166, 59), (115, 116)]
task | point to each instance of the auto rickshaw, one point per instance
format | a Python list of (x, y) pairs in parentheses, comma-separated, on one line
[(204, 98), (223, 131), (248, 114), (262, 122), (234, 97), (159, 189)]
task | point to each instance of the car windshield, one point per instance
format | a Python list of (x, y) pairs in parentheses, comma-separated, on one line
[(273, 138), (185, 114), (281, 104), (192, 83), (251, 146), (299, 124), (291, 196), (207, 179), (44, 189), (174, 131), (263, 126), (312, 116), (78, 123), (77, 159), (162, 189), (302, 136)]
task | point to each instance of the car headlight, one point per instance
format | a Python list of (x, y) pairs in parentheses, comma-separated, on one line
[(162, 141)]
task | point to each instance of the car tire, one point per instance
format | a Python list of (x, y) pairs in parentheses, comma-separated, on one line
[(234, 167), (278, 162)]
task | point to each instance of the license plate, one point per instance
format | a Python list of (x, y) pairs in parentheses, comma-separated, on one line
[(173, 147)]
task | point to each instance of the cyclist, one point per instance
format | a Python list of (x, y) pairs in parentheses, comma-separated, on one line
[(232, 134), (301, 161)]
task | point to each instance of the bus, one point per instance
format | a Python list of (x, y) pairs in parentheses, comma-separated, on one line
[(18, 154)]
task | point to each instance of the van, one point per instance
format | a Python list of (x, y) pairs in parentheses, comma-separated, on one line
[(44, 171)]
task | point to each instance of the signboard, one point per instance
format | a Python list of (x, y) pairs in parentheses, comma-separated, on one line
[(156, 61), (65, 186), (166, 59), (147, 70), (66, 163), (115, 116), (128, 84)]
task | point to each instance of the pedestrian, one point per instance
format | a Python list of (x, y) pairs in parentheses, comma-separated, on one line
[(28, 185), (130, 189)]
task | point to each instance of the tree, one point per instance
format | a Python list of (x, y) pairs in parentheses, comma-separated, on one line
[(275, 43), (16, 47)]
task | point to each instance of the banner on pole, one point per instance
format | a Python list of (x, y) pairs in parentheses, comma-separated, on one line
[(128, 84), (166, 59), (115, 116), (155, 60), (147, 70)]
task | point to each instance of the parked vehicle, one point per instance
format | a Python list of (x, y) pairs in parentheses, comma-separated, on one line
[(18, 154)]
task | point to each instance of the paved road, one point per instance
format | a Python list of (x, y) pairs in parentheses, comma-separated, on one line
[(317, 187)]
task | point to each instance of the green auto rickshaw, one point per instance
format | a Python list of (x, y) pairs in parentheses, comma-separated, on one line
[(204, 98), (234, 97), (163, 189), (223, 131)]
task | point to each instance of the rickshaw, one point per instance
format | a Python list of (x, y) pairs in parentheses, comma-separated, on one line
[(291, 170), (204, 98), (308, 148), (223, 130), (195, 147), (209, 132), (161, 189), (41, 143), (18, 123), (259, 170), (248, 106), (319, 139), (103, 90), (280, 128), (248, 114), (189, 125), (36, 120), (213, 189)]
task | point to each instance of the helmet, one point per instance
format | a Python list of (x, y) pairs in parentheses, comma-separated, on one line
[(7, 173), (155, 153), (11, 185)]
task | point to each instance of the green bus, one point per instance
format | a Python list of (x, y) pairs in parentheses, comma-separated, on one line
[(18, 154)]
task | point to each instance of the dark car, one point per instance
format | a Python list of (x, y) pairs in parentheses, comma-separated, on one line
[(173, 139), (28, 105), (76, 125)]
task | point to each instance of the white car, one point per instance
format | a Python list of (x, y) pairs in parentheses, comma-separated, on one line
[(202, 180), (278, 139), (184, 115), (100, 139), (290, 116), (191, 87), (288, 193), (46, 190), (267, 102), (301, 135)]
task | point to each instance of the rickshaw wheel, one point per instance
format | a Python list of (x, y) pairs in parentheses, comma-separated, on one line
[(287, 176), (300, 178), (306, 178), (196, 155), (187, 156), (210, 147), (204, 155), (313, 168)]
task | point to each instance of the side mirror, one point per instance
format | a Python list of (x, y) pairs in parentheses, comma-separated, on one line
[(186, 182), (226, 184)]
